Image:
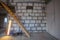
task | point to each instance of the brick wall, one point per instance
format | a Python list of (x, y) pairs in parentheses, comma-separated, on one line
[(33, 20)]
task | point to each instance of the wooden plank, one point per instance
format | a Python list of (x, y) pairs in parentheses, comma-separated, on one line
[(15, 18), (9, 27)]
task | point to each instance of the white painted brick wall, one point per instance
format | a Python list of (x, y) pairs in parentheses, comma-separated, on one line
[(37, 14), (27, 21), (38, 28), (33, 28), (44, 28), (29, 17), (43, 14), (39, 21), (33, 20), (18, 11), (28, 28), (23, 7), (39, 18), (19, 14), (31, 25), (19, 7), (30, 4), (37, 8), (39, 11), (13, 4), (22, 21), (44, 21), (35, 31), (14, 25), (35, 11), (35, 4), (23, 18), (36, 24), (29, 11), (26, 25), (40, 4), (24, 4), (26, 0), (43, 25), (23, 11), (19, 4), (26, 14), (32, 14), (45, 18)]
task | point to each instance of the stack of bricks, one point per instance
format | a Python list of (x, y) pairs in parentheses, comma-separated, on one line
[(33, 20)]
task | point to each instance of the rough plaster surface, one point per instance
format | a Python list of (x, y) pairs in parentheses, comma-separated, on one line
[(53, 18)]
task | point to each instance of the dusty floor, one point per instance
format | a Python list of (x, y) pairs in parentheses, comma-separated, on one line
[(35, 36)]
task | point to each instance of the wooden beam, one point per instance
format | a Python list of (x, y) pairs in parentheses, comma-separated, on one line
[(15, 18)]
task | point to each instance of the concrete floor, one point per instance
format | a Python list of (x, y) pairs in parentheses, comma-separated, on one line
[(35, 36)]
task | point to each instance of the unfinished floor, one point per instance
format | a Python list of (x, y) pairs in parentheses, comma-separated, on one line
[(36, 36)]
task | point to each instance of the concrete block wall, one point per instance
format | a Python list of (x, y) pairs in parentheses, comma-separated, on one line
[(33, 20)]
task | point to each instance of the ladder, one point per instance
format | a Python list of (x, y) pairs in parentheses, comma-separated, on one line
[(15, 18)]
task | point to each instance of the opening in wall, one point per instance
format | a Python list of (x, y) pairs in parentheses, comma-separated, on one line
[(5, 20), (29, 7)]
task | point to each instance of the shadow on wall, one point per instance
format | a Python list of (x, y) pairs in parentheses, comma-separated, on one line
[(47, 1)]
